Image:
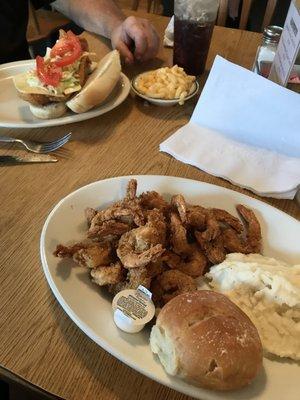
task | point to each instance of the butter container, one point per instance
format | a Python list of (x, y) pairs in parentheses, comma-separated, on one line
[(132, 309)]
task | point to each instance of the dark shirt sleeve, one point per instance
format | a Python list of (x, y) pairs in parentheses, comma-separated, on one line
[(13, 25), (41, 3)]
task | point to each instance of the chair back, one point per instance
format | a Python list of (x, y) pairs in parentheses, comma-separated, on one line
[(246, 7), (153, 5), (33, 20)]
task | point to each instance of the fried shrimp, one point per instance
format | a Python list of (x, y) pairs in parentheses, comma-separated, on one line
[(131, 189), (108, 275), (108, 231), (213, 249), (88, 255), (138, 247), (68, 251), (156, 220), (170, 284), (132, 204), (212, 230), (155, 268), (93, 256), (144, 244), (190, 215), (193, 265), (129, 216), (162, 245), (227, 219), (178, 202), (253, 236), (235, 243), (150, 200), (196, 217), (138, 276), (90, 213), (178, 238), (127, 211), (251, 242), (134, 278)]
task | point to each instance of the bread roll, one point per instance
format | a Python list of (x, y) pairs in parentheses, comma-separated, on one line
[(206, 339), (48, 111), (99, 84)]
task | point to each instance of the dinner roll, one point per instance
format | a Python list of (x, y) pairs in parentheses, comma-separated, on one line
[(205, 338)]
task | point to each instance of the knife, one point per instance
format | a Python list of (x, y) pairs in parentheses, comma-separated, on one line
[(30, 158)]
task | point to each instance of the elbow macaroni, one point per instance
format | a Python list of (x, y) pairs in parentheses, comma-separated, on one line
[(165, 83)]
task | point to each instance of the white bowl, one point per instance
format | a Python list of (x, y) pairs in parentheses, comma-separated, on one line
[(163, 102)]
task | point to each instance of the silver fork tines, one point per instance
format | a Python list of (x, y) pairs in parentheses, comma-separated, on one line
[(38, 147)]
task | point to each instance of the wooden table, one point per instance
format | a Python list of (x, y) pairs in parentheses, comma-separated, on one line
[(38, 341)]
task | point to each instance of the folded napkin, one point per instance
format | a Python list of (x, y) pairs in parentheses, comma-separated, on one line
[(169, 34), (245, 129)]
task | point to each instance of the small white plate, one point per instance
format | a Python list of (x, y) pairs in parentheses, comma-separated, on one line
[(90, 307), (163, 102), (15, 113)]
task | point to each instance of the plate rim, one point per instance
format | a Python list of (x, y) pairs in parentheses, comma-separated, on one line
[(69, 119), (172, 384)]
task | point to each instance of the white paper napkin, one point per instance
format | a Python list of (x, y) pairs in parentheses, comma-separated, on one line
[(245, 129), (169, 34)]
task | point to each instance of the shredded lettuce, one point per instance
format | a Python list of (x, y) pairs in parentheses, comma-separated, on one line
[(69, 82), (33, 80)]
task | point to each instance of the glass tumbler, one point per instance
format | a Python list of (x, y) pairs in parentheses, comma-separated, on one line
[(194, 21)]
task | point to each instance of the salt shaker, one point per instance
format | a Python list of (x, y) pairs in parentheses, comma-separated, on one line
[(266, 52)]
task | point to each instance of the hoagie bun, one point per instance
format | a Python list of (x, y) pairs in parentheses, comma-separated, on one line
[(48, 111), (99, 84)]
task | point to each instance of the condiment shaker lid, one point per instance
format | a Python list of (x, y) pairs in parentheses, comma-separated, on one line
[(272, 34)]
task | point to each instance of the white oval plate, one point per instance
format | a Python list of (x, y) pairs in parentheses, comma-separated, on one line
[(15, 113), (162, 102), (90, 307)]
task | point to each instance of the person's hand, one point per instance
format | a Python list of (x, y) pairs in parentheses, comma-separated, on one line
[(136, 39)]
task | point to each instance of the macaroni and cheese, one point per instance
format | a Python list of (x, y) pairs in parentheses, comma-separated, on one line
[(165, 83)]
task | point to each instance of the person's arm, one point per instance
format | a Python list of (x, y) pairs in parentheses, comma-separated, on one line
[(105, 18), (98, 16)]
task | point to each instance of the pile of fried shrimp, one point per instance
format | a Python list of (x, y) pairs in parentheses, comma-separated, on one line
[(164, 246)]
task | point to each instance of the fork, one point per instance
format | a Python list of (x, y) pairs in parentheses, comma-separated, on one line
[(38, 147)]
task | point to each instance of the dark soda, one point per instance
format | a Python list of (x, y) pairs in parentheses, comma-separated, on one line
[(191, 44)]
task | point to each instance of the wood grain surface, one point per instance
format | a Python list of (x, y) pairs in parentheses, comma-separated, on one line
[(38, 341)]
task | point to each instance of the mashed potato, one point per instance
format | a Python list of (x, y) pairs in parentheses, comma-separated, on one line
[(268, 291)]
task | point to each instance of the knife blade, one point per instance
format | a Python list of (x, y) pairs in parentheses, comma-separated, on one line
[(28, 158)]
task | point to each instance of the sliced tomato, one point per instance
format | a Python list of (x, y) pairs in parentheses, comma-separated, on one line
[(67, 50), (48, 73)]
